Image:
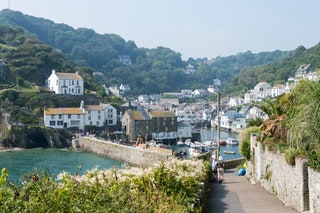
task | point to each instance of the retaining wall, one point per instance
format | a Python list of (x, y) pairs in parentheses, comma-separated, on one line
[(134, 156), (296, 185)]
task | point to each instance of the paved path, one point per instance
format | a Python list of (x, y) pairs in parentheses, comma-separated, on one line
[(237, 195)]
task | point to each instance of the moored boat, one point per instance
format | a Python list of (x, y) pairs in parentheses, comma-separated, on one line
[(180, 143), (232, 141), (229, 152), (223, 143)]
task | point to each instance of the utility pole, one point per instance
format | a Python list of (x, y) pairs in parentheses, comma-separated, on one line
[(218, 128)]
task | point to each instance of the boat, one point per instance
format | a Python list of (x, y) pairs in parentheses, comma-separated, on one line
[(180, 143), (223, 143), (188, 142), (229, 152), (232, 141), (194, 152)]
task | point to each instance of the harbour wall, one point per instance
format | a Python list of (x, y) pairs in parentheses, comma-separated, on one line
[(296, 185), (133, 156)]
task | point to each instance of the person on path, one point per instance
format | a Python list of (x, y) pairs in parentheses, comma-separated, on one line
[(220, 165), (214, 166)]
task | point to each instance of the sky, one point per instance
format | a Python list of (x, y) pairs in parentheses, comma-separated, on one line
[(197, 29)]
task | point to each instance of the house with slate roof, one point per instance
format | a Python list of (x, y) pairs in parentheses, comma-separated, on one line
[(65, 83), (228, 117), (100, 115), (136, 123), (165, 125)]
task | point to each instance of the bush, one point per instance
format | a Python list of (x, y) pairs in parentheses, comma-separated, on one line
[(291, 154), (172, 186)]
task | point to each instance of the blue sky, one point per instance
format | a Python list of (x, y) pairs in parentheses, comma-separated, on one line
[(202, 28)]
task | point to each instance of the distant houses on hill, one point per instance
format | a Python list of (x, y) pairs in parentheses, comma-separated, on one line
[(161, 119)]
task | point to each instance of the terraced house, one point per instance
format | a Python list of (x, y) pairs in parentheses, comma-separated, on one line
[(79, 117)]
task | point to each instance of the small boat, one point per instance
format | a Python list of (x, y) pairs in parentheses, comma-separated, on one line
[(194, 152), (180, 143), (223, 143), (229, 152), (232, 141), (188, 142)]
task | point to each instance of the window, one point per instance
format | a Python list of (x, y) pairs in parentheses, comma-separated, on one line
[(59, 123), (69, 116), (110, 110), (90, 122), (78, 116), (72, 82), (99, 117), (110, 116), (52, 116), (99, 112), (75, 123), (77, 83), (89, 117), (97, 123), (110, 122), (52, 123), (60, 116), (78, 91)]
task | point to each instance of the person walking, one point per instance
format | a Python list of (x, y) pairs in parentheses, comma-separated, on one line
[(220, 169), (214, 167)]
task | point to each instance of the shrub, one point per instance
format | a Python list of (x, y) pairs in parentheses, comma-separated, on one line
[(291, 154), (172, 186)]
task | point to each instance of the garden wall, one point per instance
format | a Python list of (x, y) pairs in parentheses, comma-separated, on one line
[(296, 186)]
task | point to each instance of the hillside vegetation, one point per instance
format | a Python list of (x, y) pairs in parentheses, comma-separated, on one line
[(154, 70)]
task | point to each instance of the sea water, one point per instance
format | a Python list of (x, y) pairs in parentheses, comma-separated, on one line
[(20, 162), (211, 134)]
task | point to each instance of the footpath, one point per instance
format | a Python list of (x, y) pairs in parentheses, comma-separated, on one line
[(237, 195)]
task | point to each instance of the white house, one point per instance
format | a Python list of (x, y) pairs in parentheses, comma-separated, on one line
[(60, 118), (65, 83), (260, 92), (184, 130), (124, 88), (235, 101), (93, 115), (278, 90), (228, 117), (100, 115)]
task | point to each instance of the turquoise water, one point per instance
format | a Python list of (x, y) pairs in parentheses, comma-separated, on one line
[(54, 161)]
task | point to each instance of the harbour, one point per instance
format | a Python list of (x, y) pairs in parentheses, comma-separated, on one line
[(207, 135), (20, 162)]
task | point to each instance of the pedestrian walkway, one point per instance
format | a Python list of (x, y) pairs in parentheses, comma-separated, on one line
[(237, 195)]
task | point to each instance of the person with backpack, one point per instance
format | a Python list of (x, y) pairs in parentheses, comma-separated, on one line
[(220, 165)]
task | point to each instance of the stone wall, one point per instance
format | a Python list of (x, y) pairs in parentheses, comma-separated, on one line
[(296, 186), (234, 163), (314, 190), (134, 156)]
